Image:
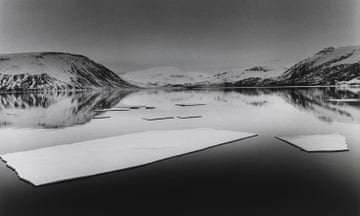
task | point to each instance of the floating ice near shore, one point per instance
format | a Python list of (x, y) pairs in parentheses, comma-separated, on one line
[(131, 107), (64, 162), (112, 109), (159, 118), (319, 143), (102, 117), (136, 107), (189, 104), (189, 117)]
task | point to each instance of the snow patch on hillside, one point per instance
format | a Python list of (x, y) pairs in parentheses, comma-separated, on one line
[(355, 81), (56, 66), (344, 55)]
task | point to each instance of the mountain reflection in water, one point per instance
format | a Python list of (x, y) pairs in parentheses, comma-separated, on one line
[(54, 109), (66, 109)]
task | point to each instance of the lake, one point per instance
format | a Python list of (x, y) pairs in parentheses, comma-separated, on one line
[(258, 175)]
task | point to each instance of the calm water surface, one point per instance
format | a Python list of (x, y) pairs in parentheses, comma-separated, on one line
[(260, 175)]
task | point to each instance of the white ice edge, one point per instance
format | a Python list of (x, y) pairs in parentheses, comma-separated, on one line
[(190, 104), (158, 118), (82, 159), (345, 100), (112, 109), (318, 142), (189, 116)]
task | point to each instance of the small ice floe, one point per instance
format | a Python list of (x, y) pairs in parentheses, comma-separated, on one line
[(189, 104), (136, 107), (189, 117), (317, 143), (101, 117), (112, 109), (65, 162), (344, 100), (159, 118), (131, 107)]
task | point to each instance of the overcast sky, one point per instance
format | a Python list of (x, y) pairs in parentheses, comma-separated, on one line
[(191, 34)]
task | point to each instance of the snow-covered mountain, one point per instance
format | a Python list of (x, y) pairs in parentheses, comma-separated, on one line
[(232, 76), (54, 71), (330, 66), (164, 76), (172, 76), (60, 71)]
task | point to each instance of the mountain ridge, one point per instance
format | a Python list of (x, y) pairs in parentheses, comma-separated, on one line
[(47, 71), (329, 66), (35, 71)]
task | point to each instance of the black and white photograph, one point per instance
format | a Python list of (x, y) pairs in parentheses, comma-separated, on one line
[(180, 107)]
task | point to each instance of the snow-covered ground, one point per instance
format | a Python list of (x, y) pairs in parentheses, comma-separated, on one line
[(339, 56), (352, 51)]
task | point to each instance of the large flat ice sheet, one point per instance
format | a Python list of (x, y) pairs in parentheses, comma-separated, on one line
[(64, 162), (319, 142)]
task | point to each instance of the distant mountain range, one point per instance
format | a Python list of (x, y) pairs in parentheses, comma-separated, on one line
[(175, 77), (64, 71), (54, 71), (330, 66)]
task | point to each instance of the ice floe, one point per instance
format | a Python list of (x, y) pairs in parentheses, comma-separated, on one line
[(189, 104), (189, 117), (317, 143), (159, 118), (112, 109), (65, 162), (131, 107), (102, 117), (136, 107)]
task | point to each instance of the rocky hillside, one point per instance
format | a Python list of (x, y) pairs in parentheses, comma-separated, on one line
[(330, 66), (54, 71)]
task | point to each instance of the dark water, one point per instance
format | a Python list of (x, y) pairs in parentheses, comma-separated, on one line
[(258, 176)]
